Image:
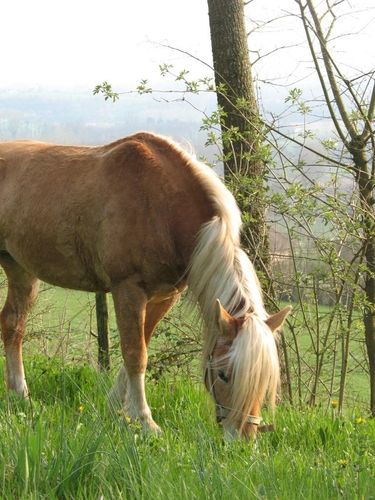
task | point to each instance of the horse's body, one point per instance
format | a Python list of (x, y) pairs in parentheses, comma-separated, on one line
[(85, 218), (125, 218)]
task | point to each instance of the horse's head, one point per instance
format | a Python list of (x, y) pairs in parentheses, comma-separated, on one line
[(242, 369)]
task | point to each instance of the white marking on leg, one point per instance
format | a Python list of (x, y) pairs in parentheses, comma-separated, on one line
[(15, 372), (136, 403)]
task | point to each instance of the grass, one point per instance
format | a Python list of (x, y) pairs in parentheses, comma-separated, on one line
[(67, 444)]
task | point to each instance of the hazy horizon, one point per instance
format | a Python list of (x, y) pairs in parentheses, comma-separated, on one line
[(56, 53)]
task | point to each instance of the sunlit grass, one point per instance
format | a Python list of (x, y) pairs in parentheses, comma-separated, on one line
[(66, 443)]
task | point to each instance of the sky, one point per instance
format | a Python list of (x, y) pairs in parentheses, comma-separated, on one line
[(78, 43), (82, 42)]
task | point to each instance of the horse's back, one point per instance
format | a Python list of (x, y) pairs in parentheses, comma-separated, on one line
[(83, 217)]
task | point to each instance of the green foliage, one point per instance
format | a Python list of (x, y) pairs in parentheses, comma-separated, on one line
[(294, 95), (329, 144), (144, 88), (357, 115), (165, 69), (106, 90), (191, 86), (295, 98)]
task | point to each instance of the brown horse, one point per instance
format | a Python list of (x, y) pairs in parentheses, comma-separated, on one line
[(142, 219)]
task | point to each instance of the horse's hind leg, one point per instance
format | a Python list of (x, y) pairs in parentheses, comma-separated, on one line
[(155, 311), (22, 291)]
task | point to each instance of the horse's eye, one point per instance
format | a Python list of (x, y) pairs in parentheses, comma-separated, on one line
[(223, 377)]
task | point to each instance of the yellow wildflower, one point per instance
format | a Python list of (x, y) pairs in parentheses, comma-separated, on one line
[(81, 408), (359, 420), (334, 403)]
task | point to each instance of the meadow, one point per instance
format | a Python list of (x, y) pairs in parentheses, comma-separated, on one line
[(67, 443)]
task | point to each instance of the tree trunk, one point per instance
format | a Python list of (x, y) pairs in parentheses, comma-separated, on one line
[(357, 149), (244, 166), (369, 321), (102, 325), (369, 312), (236, 97)]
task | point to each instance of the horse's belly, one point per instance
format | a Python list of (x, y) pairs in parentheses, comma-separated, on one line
[(62, 266)]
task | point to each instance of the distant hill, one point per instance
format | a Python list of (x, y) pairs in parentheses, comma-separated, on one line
[(78, 117)]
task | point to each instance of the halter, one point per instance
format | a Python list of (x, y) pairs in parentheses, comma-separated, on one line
[(221, 410)]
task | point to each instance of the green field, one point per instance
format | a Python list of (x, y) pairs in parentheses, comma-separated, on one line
[(67, 443)]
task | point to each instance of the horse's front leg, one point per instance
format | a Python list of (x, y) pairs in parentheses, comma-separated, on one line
[(130, 303)]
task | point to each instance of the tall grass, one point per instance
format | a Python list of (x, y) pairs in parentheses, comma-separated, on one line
[(66, 443)]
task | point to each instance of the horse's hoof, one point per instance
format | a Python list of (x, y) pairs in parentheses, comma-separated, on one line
[(149, 426), (152, 428)]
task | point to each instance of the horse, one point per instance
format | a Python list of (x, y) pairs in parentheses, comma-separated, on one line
[(143, 219)]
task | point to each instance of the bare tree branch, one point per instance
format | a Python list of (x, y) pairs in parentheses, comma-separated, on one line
[(277, 49), (367, 131), (320, 75), (329, 68)]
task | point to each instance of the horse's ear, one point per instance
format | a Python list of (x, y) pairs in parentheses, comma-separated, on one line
[(225, 322), (276, 321), (218, 308)]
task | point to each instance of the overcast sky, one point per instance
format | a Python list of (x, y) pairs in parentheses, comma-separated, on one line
[(82, 42), (71, 43)]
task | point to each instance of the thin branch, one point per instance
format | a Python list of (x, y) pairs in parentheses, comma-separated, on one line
[(320, 76), (186, 53), (328, 60), (329, 70), (270, 52), (261, 25), (370, 116), (321, 155)]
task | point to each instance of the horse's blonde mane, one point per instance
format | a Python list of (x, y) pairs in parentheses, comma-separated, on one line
[(220, 269)]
